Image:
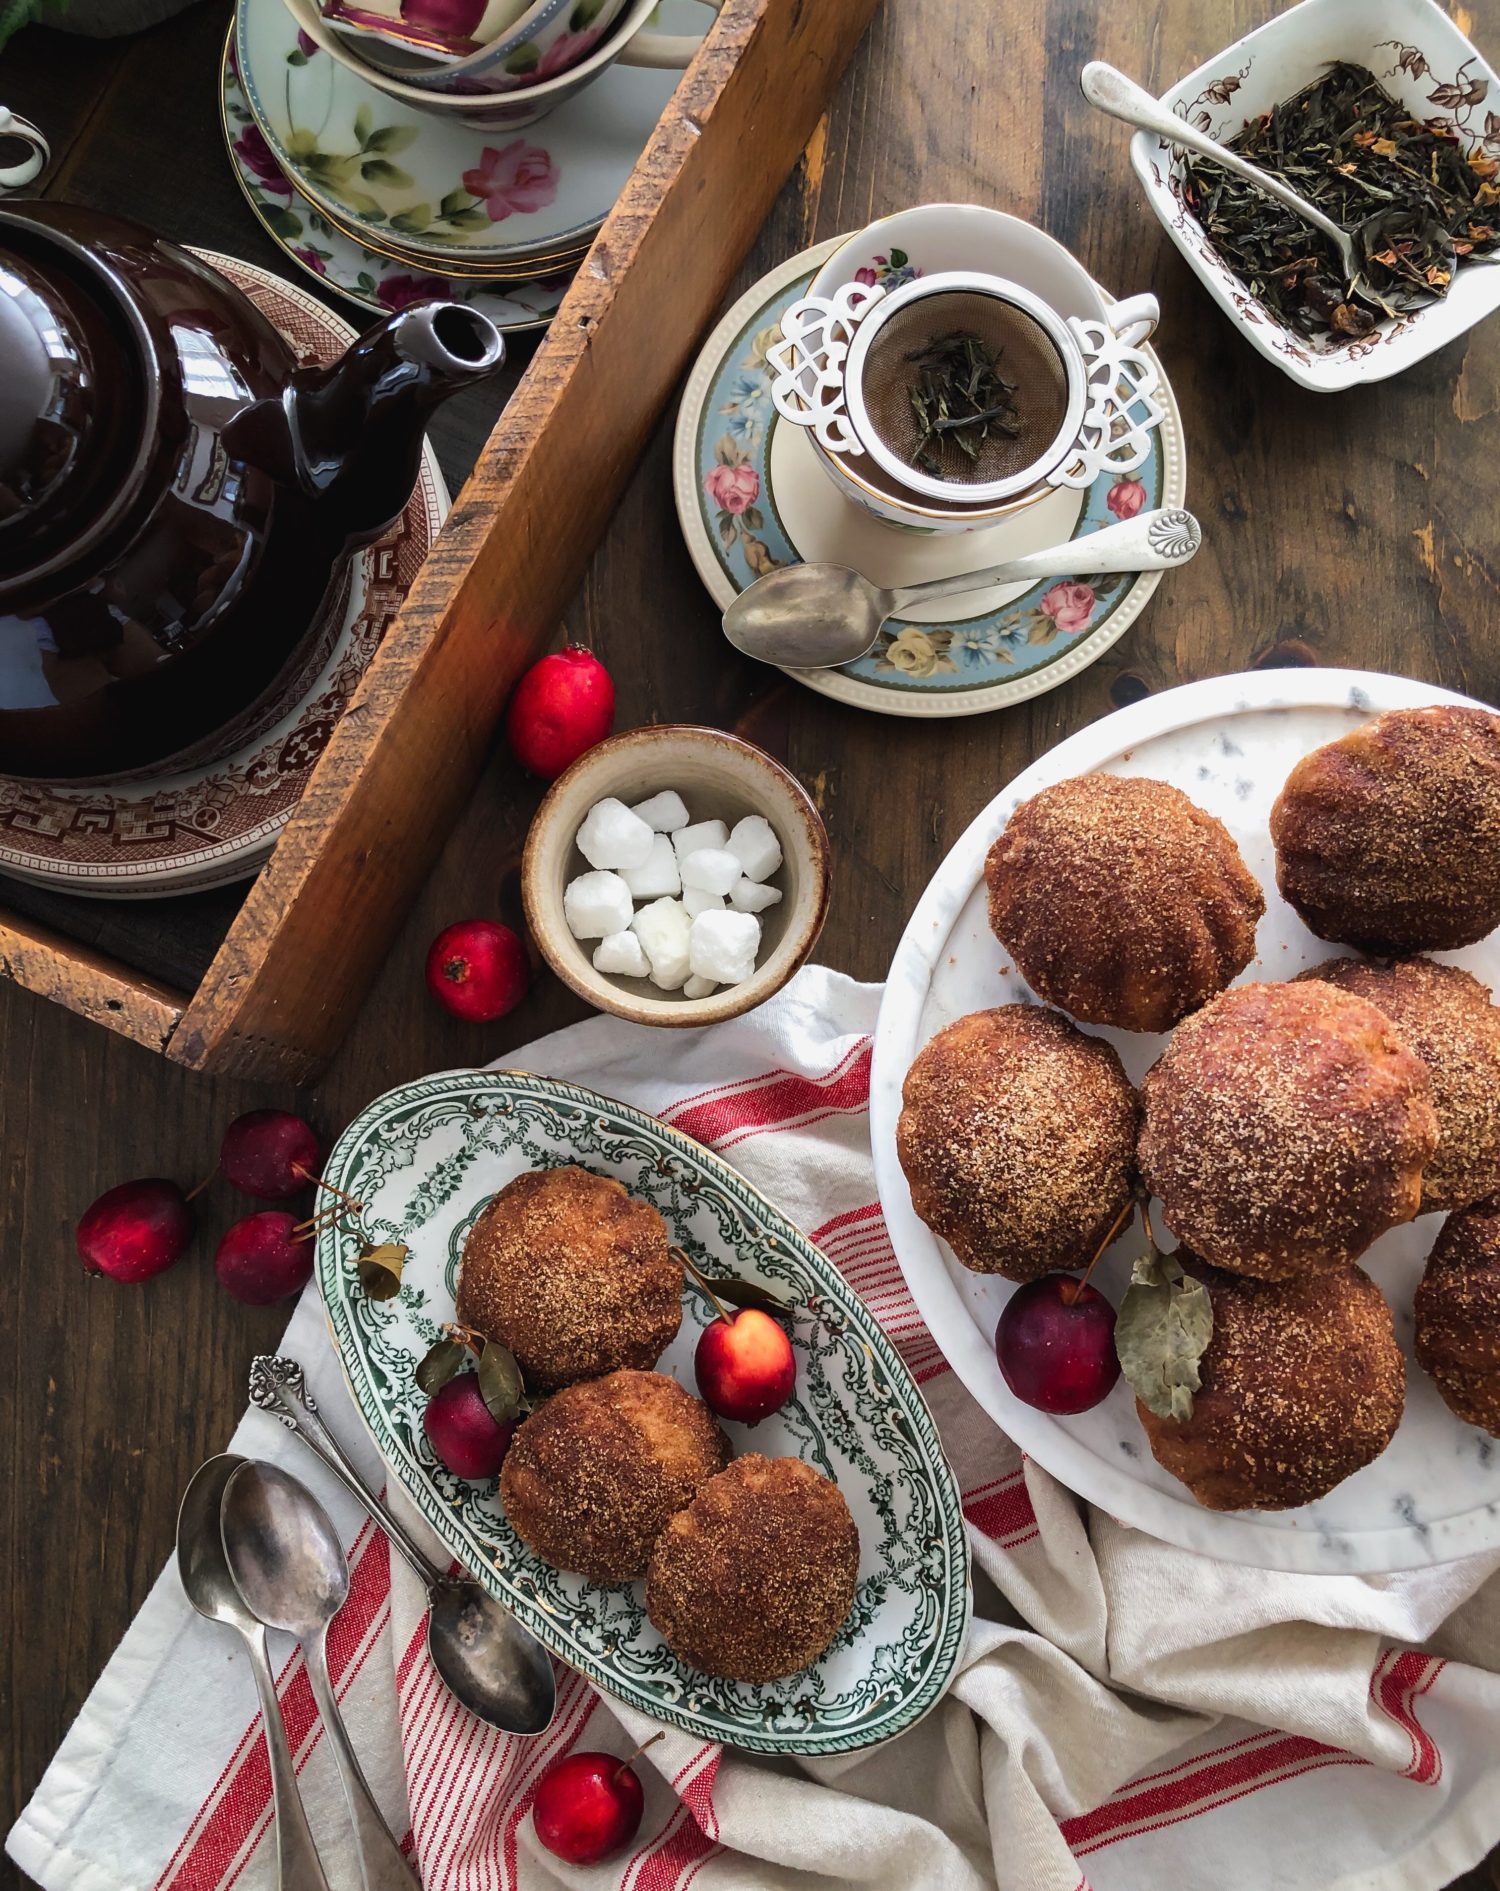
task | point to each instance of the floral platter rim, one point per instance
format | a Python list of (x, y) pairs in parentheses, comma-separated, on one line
[(947, 1588), (418, 241), (898, 698), (1395, 346), (211, 861), (1249, 1538), (474, 291)]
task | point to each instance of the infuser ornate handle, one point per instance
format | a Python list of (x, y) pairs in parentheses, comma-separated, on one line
[(1122, 412), (807, 387)]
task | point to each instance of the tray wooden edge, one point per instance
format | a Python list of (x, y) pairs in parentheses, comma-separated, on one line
[(314, 929)]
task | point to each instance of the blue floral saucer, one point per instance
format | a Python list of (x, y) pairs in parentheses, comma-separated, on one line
[(751, 495)]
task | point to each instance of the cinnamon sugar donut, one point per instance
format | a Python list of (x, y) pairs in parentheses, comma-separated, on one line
[(1302, 1385), (1017, 1138), (1446, 1017), (1389, 839), (754, 1578), (1121, 901), (573, 1275), (1458, 1316), (1285, 1128), (593, 1475)]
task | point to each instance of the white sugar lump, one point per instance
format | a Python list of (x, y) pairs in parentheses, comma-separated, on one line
[(662, 928), (611, 836), (722, 946), (623, 954), (753, 841), (688, 840), (748, 896), (696, 900), (666, 812), (596, 904), (714, 869), (698, 987), (657, 875)]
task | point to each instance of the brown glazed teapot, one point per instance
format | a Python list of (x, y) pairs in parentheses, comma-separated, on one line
[(178, 500)]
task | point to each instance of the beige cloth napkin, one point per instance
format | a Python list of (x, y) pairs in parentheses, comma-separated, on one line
[(1127, 1716)]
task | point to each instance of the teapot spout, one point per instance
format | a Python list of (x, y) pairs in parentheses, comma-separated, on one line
[(350, 435)]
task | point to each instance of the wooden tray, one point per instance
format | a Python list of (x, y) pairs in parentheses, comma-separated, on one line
[(408, 751)]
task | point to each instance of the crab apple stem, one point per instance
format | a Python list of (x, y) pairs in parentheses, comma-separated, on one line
[(632, 1757), (702, 1280), (193, 1193), (314, 1224), (328, 1188), (1146, 1218), (1070, 1290)]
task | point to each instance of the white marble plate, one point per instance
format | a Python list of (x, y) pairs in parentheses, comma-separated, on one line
[(1434, 1494)]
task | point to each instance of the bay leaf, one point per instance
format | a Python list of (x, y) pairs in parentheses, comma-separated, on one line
[(500, 1383), (1164, 1325), (440, 1363), (380, 1270)]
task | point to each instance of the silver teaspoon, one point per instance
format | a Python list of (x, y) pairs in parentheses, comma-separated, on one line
[(210, 1588), (499, 1670), (1122, 98), (289, 1566), (812, 617)]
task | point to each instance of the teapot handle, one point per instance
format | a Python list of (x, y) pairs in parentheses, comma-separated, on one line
[(18, 176)]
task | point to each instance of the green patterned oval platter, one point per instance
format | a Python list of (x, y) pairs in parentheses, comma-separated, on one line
[(424, 1160)]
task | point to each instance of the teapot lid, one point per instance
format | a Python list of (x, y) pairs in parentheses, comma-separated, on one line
[(72, 406)]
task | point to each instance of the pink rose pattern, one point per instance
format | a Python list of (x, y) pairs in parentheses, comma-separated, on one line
[(400, 292), (1125, 498), (733, 488), (1070, 604), (517, 180), (313, 259), (566, 50), (259, 159)]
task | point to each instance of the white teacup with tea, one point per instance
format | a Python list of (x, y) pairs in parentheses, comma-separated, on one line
[(954, 365)]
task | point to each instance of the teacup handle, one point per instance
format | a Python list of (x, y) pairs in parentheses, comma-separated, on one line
[(1134, 320), (665, 51), (18, 176)]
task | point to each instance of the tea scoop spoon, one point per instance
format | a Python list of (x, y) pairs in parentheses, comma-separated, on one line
[(204, 1570), (290, 1569), (813, 617), (498, 1669), (1103, 85)]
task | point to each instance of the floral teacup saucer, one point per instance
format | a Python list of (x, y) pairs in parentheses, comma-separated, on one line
[(751, 496), (328, 253), (436, 190)]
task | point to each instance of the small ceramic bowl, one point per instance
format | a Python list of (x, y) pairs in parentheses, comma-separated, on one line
[(1422, 59), (720, 777)]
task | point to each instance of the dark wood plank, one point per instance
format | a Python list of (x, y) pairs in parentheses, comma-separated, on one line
[(1357, 529)]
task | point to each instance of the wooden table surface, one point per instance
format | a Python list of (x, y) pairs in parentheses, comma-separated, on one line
[(1357, 529)]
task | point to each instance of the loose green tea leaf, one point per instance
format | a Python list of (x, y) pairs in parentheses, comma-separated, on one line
[(440, 1363), (500, 1383), (1165, 1322), (1416, 200), (958, 396), (380, 1270)]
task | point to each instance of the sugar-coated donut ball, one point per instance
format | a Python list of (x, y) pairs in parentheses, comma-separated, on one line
[(1017, 1138), (1389, 839), (1122, 901), (1285, 1128)]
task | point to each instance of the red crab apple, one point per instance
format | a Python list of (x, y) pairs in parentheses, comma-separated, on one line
[(745, 1366), (135, 1230), (588, 1805), (1056, 1344), (563, 705), (478, 970), (264, 1258), (270, 1153), (461, 1430)]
